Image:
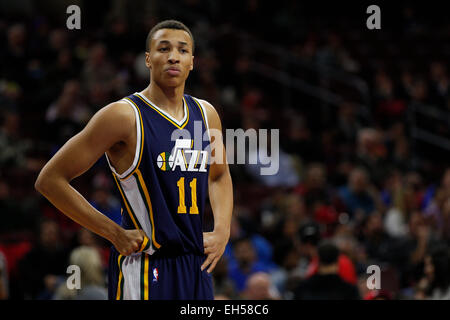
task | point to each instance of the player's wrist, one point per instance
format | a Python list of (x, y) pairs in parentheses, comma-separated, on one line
[(222, 230), (115, 233)]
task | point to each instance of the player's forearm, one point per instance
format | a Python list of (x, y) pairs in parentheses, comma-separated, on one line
[(221, 198), (69, 201)]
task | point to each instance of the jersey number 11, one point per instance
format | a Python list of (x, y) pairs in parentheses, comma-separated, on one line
[(182, 203)]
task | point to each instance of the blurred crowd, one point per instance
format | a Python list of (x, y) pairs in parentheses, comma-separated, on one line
[(352, 191)]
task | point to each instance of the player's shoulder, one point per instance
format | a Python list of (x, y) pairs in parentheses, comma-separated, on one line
[(118, 112), (212, 116), (208, 107), (120, 106)]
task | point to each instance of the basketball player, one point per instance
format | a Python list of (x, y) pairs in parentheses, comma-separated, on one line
[(160, 250)]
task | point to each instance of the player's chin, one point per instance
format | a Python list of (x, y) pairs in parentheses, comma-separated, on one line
[(174, 81)]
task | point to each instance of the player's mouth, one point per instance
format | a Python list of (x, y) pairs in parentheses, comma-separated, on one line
[(173, 71)]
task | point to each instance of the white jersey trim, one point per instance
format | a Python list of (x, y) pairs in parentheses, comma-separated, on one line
[(138, 145), (134, 197), (200, 102), (179, 123), (131, 270)]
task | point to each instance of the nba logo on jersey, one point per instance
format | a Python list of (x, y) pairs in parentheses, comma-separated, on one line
[(155, 275)]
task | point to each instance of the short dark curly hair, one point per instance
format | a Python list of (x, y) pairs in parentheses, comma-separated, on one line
[(168, 24)]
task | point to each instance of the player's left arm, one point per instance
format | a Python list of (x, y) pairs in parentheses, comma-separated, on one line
[(220, 193)]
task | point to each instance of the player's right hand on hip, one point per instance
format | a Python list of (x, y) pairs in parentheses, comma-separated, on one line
[(129, 241)]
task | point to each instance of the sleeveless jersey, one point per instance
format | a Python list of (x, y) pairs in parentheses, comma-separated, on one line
[(165, 189)]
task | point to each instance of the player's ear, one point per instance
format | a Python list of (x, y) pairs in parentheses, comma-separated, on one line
[(147, 60), (192, 63)]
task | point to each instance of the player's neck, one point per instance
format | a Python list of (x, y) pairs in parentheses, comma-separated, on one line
[(168, 99)]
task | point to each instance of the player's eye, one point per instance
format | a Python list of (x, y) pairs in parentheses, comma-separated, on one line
[(183, 51), (163, 49)]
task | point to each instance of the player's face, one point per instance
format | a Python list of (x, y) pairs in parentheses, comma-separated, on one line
[(170, 58)]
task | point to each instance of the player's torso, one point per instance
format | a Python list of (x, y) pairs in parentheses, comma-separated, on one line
[(164, 192)]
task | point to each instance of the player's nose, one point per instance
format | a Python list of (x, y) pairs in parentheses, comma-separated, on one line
[(174, 57)]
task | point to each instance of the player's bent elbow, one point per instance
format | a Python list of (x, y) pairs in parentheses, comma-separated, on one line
[(38, 184), (41, 183)]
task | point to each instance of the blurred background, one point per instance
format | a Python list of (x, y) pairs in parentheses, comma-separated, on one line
[(364, 119)]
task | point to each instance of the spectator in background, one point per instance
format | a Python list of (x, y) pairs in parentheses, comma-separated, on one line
[(98, 70), (371, 154), (299, 140), (223, 286), (92, 279), (259, 287), (69, 105), (347, 126), (419, 93), (349, 247), (412, 249), (444, 228), (435, 283), (406, 84), (290, 226), (326, 284), (282, 216), (267, 162), (398, 145), (15, 56), (63, 69), (58, 40), (21, 215), (333, 53), (314, 189), (378, 245), (68, 114), (402, 195), (378, 295), (357, 195), (43, 267), (436, 208), (284, 278), (246, 263), (102, 200), (84, 237), (117, 37), (4, 292), (13, 148), (286, 244), (282, 172), (389, 108), (10, 96), (440, 85), (310, 238), (262, 247)]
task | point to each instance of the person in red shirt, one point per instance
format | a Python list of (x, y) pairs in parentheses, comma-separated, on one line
[(310, 237), (326, 284)]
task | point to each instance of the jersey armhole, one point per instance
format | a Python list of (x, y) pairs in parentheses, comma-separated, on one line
[(205, 115), (139, 145)]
